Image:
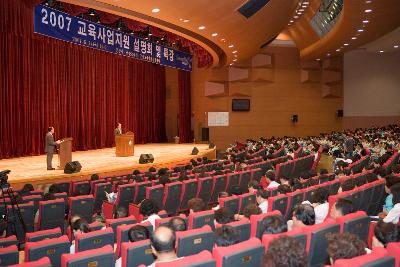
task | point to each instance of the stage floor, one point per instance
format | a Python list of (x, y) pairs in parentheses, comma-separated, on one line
[(102, 161)]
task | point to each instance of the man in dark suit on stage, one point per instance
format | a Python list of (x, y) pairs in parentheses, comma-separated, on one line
[(50, 145), (118, 130)]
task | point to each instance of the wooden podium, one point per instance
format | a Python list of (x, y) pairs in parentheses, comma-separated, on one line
[(124, 144), (65, 152)]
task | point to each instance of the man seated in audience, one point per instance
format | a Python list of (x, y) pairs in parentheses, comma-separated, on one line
[(286, 251), (262, 200), (347, 185), (26, 190), (178, 224), (344, 246), (78, 227), (224, 216), (148, 208), (221, 195), (253, 186), (270, 176), (303, 215), (121, 212), (195, 205), (341, 207), (226, 236), (284, 189), (319, 201), (136, 233), (163, 245), (274, 225), (94, 177), (394, 214), (251, 209), (385, 233), (236, 190)]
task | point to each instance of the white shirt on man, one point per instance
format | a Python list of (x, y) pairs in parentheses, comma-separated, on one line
[(393, 215), (273, 184), (321, 211), (264, 206), (152, 219)]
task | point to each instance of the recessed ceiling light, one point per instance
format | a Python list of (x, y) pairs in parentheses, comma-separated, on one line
[(184, 20), (155, 10), (381, 51), (231, 64), (365, 21), (318, 59), (353, 38), (368, 2), (305, 3), (301, 10), (291, 21), (346, 44), (328, 54), (235, 55), (234, 52), (296, 17), (214, 34), (396, 46), (223, 39), (230, 46), (235, 59), (368, 10), (202, 27), (360, 30), (337, 50)]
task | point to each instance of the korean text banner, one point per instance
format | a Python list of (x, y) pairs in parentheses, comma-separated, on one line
[(62, 26)]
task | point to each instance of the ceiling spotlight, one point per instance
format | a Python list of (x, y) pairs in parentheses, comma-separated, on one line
[(202, 27), (365, 21), (296, 17), (396, 46), (353, 38), (368, 2), (318, 59), (346, 44), (184, 20), (328, 54), (381, 51), (235, 55), (230, 46), (235, 59), (337, 50), (155, 10), (234, 52), (214, 34), (301, 10), (368, 10), (223, 39), (360, 30), (291, 21), (231, 64)]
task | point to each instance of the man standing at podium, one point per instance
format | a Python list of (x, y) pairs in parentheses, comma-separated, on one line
[(50, 145), (118, 130)]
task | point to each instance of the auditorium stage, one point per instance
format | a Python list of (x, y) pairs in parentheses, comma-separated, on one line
[(101, 161)]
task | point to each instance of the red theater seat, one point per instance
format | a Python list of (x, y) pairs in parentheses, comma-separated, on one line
[(43, 262), (82, 206), (243, 227), (394, 251), (101, 257), (44, 234), (51, 214), (206, 186), (114, 223), (100, 195), (294, 198), (202, 259), (122, 235), (165, 221), (156, 193), (194, 241), (219, 185), (189, 191), (8, 241), (245, 200), (279, 202), (256, 220), (82, 188), (136, 253), (51, 248), (245, 254), (296, 233), (356, 223), (9, 255), (231, 203), (201, 218), (93, 240), (172, 197)]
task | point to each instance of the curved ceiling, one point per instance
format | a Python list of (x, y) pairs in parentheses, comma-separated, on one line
[(360, 22), (235, 32)]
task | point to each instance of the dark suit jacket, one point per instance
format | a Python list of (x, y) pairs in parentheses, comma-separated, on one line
[(117, 131), (50, 144)]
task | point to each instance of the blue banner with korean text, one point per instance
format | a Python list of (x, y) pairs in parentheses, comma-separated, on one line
[(59, 25)]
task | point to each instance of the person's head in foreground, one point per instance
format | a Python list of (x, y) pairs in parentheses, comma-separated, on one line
[(163, 244), (177, 223), (196, 205), (385, 233), (341, 207), (138, 232), (286, 251), (344, 246), (274, 225), (226, 236)]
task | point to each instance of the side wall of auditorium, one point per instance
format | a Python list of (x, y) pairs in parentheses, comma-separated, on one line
[(278, 85)]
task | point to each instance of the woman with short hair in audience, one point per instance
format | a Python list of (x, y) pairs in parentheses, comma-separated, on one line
[(286, 251), (344, 246), (148, 208), (385, 233), (394, 214)]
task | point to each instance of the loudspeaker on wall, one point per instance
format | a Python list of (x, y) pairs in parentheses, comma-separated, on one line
[(295, 118)]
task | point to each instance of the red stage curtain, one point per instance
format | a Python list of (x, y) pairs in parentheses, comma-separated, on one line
[(185, 108), (82, 92)]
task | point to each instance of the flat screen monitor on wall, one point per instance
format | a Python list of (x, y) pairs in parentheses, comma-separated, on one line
[(240, 104)]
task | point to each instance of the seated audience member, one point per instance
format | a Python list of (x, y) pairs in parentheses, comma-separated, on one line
[(136, 233), (270, 176), (251, 209), (394, 214), (303, 215), (285, 180), (79, 226), (164, 180), (385, 233), (121, 212), (224, 216), (163, 245), (53, 189), (320, 203), (262, 200), (148, 208), (253, 186), (195, 205), (111, 197), (284, 189), (344, 246), (341, 207), (226, 236), (26, 190), (3, 228), (222, 194), (274, 225), (236, 190), (285, 251), (178, 224), (389, 182), (347, 185), (100, 219), (94, 177)]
